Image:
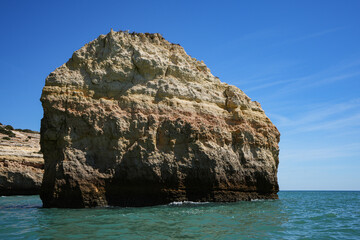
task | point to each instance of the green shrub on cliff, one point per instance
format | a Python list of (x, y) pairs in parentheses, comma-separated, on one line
[(9, 127), (26, 130), (7, 131)]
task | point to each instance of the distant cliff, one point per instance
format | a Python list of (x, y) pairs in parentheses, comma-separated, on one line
[(21, 163), (132, 120)]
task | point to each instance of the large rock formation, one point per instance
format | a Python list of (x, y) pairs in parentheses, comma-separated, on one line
[(21, 162), (132, 120)]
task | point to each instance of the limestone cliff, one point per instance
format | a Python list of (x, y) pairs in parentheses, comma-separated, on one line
[(132, 120), (21, 163)]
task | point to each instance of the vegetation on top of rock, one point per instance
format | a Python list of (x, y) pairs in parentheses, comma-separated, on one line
[(26, 130), (9, 127), (6, 131)]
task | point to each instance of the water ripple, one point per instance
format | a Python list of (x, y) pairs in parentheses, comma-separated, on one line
[(296, 215)]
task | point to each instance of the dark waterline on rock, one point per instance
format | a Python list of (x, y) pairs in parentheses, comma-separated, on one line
[(297, 214)]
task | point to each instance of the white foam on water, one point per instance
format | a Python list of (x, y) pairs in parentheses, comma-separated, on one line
[(258, 200), (186, 202)]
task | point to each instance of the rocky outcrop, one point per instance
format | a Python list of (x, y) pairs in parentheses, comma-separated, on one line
[(21, 162), (132, 120)]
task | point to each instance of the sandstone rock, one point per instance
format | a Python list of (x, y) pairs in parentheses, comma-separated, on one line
[(132, 120), (21, 163)]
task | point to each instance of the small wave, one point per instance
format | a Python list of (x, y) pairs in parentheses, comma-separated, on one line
[(187, 203), (258, 200)]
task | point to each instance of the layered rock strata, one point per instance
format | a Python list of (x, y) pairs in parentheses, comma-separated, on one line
[(132, 120), (21, 162)]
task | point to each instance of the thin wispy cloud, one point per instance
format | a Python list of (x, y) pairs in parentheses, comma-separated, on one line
[(256, 79), (265, 73), (308, 36), (341, 119), (332, 74), (260, 34), (325, 153), (267, 85), (351, 121), (315, 80), (334, 79), (321, 113)]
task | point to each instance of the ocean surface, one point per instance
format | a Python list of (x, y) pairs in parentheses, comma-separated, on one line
[(296, 215)]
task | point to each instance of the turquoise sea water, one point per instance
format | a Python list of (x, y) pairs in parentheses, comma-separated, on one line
[(296, 215)]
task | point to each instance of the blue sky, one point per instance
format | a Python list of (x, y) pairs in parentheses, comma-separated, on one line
[(299, 59)]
